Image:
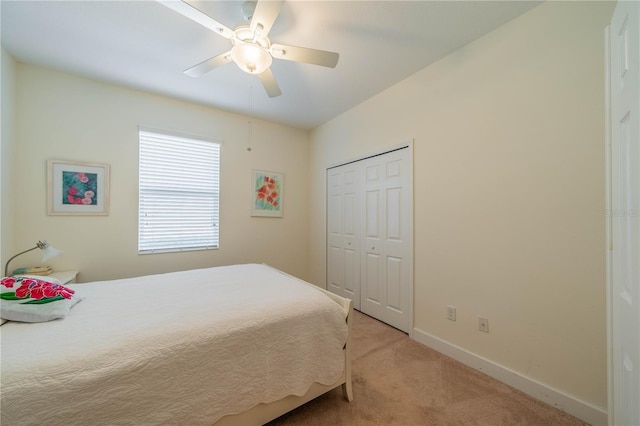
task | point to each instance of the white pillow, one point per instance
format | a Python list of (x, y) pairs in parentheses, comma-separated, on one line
[(27, 299)]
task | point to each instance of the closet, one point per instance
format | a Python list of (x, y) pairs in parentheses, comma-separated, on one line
[(370, 235)]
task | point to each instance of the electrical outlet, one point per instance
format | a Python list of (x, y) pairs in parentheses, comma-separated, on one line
[(451, 312), (483, 324)]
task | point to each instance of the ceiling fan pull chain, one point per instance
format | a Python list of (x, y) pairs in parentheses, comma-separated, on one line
[(250, 112)]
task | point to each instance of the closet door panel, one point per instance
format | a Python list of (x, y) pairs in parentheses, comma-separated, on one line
[(334, 270), (388, 181), (372, 284), (334, 233), (351, 263), (373, 281), (394, 286), (351, 212), (343, 232)]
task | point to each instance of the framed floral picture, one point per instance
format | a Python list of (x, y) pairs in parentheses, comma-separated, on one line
[(267, 193), (76, 188)]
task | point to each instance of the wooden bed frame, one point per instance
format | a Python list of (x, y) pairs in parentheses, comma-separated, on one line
[(264, 413)]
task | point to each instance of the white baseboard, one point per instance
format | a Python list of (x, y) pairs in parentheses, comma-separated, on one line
[(571, 405)]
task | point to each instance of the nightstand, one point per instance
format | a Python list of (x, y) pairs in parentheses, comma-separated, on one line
[(65, 277)]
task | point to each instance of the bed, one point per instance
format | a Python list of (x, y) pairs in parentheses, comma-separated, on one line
[(239, 344)]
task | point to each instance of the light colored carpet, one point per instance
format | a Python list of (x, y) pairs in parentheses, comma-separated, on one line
[(397, 381)]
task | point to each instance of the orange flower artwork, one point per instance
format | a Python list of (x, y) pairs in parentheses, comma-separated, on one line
[(267, 194)]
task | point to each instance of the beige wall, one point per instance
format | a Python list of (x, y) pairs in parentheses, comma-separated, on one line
[(7, 147), (509, 193), (60, 116)]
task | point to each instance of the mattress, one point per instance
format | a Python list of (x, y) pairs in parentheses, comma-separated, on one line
[(179, 348)]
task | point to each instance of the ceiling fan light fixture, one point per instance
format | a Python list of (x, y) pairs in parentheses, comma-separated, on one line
[(251, 58), (251, 49)]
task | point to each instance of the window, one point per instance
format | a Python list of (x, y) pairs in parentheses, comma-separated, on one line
[(179, 206)]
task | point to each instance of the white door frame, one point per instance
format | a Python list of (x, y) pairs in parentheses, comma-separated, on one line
[(622, 104)]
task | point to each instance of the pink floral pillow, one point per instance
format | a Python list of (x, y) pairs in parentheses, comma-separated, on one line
[(32, 300)]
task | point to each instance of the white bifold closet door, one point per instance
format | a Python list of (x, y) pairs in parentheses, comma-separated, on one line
[(624, 214), (370, 235)]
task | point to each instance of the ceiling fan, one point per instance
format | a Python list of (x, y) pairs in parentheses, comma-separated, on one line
[(251, 48)]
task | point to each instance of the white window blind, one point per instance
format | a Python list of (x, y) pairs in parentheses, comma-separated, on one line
[(179, 206)]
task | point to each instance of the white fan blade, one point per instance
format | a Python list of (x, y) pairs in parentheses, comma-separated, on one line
[(304, 54), (194, 14), (265, 15), (269, 82), (208, 65)]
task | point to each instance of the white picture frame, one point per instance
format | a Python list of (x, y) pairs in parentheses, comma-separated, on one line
[(77, 188)]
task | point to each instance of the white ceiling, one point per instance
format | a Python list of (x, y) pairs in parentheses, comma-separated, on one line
[(145, 45)]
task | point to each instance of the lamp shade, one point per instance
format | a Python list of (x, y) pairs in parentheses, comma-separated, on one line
[(251, 58), (50, 252)]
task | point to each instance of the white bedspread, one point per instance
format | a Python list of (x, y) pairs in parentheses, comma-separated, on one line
[(182, 348)]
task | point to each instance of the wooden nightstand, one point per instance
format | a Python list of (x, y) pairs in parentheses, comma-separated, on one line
[(65, 277)]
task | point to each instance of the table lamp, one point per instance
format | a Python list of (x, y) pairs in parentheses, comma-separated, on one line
[(48, 252)]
